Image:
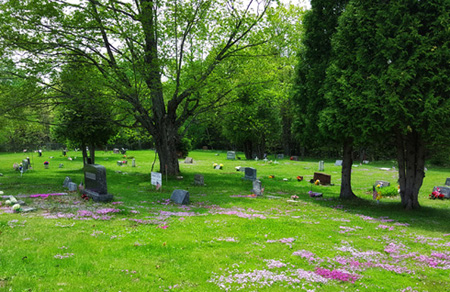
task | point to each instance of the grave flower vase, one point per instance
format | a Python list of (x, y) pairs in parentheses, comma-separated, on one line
[(46, 166)]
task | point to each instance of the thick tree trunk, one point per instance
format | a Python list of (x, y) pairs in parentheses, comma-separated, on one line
[(411, 163), (92, 153), (83, 150), (166, 146), (347, 161), (248, 149)]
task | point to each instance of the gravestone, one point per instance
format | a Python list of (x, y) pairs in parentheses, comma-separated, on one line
[(447, 182), (66, 182), (231, 155), (205, 147), (325, 179), (156, 179), (116, 151), (443, 190), (321, 166), (72, 187), (95, 183), (280, 156), (382, 183), (180, 197), (338, 163), (295, 158), (199, 180), (25, 165), (133, 162), (250, 173), (257, 187), (189, 160), (61, 165)]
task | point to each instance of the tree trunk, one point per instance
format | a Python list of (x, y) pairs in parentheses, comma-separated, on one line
[(248, 149), (92, 153), (166, 146), (83, 150), (347, 161), (411, 163)]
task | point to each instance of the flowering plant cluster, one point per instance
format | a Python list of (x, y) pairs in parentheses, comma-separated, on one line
[(437, 194), (45, 162), (271, 176), (85, 197), (13, 202), (294, 197), (299, 178), (218, 166)]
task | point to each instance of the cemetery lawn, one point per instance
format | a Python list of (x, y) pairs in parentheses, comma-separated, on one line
[(225, 239)]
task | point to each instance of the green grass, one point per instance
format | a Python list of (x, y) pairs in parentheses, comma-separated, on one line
[(222, 240)]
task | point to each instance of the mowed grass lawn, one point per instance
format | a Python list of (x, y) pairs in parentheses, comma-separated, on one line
[(223, 240)]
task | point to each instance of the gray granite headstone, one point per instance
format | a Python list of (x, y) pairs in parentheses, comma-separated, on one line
[(447, 182), (199, 180), (443, 190), (25, 165), (231, 155), (66, 182), (280, 156), (116, 151), (250, 173), (95, 183), (338, 163), (321, 166), (72, 187), (382, 183), (189, 160), (257, 187), (133, 162), (180, 197)]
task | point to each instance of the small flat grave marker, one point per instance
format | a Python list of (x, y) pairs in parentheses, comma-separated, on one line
[(180, 197)]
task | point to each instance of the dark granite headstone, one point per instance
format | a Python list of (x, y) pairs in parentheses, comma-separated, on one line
[(95, 183), (199, 180), (447, 182), (180, 197), (382, 183), (250, 173), (257, 187), (231, 155), (325, 179), (443, 190)]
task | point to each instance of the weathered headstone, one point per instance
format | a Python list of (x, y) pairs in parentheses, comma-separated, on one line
[(280, 156), (180, 197), (257, 187), (156, 179), (447, 182), (295, 158), (133, 162), (189, 160), (443, 190), (72, 187), (382, 183), (95, 183), (25, 165), (325, 179), (231, 155), (321, 166), (338, 163), (116, 151), (199, 180), (66, 182), (61, 165), (250, 173)]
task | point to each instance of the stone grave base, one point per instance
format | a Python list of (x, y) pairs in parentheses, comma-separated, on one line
[(96, 197)]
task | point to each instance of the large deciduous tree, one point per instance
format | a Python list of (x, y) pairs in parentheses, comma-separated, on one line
[(392, 63), (161, 57)]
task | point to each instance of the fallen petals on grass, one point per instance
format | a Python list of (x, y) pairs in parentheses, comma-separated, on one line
[(337, 275)]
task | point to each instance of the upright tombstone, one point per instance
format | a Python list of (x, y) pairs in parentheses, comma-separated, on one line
[(447, 182), (133, 162), (72, 187), (338, 163), (280, 156), (231, 155), (325, 179), (199, 180), (189, 160), (321, 166), (116, 150), (66, 182), (156, 179), (180, 197), (25, 165), (95, 183), (257, 187), (250, 173)]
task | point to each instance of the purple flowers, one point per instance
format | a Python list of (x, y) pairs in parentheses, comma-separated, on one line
[(337, 275), (107, 211)]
